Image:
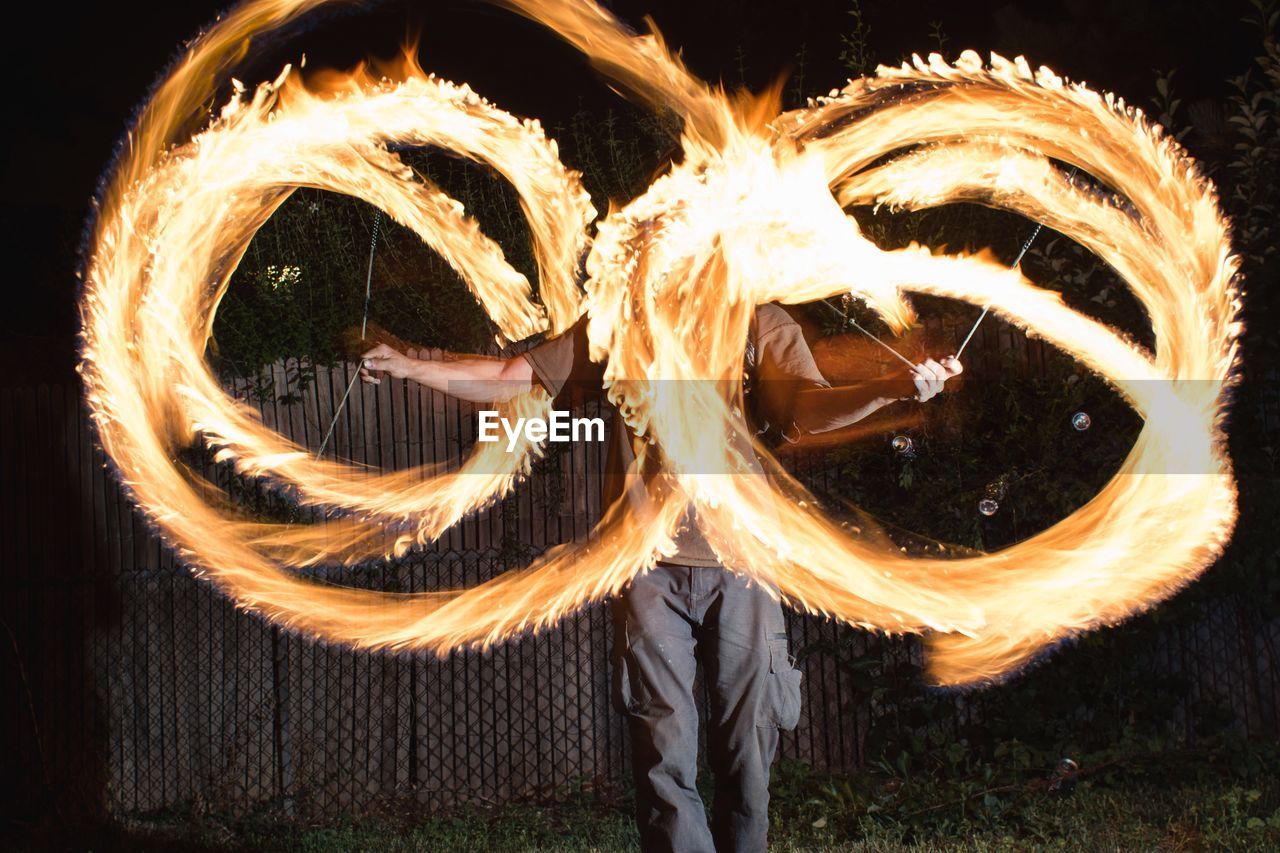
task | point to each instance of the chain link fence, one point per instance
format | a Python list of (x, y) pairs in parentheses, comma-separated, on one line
[(132, 687)]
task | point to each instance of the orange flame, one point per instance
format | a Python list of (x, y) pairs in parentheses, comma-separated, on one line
[(752, 213)]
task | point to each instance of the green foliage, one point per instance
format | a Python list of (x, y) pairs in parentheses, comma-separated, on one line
[(302, 282), (1127, 811), (296, 285), (857, 54), (1128, 802)]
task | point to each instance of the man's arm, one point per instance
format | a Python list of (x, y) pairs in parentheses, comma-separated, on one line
[(818, 410), (798, 400), (472, 378)]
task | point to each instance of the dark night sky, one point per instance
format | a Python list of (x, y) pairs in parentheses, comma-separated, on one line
[(81, 72)]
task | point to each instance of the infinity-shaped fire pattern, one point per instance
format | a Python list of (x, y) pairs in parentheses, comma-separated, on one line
[(752, 213)]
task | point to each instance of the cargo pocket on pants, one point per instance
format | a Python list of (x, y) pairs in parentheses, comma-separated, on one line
[(630, 695), (781, 705)]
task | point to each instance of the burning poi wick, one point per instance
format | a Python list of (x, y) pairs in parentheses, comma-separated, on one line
[(364, 325), (1016, 261)]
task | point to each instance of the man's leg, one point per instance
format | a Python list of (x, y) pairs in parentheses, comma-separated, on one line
[(654, 667), (755, 692)]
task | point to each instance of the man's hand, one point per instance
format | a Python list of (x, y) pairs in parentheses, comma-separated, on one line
[(381, 361), (929, 376)]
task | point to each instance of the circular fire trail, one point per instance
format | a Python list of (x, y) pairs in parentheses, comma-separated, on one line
[(753, 212)]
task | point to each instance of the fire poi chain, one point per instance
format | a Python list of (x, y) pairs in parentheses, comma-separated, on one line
[(752, 213)]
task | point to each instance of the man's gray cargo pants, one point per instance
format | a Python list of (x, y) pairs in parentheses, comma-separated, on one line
[(666, 621)]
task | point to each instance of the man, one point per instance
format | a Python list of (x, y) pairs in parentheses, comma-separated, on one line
[(689, 609)]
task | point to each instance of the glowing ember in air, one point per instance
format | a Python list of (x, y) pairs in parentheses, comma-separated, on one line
[(752, 213)]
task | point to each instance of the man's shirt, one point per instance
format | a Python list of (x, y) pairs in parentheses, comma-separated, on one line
[(779, 364)]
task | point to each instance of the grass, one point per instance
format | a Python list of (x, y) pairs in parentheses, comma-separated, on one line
[(1145, 815)]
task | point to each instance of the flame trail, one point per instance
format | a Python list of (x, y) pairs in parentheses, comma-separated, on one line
[(752, 213)]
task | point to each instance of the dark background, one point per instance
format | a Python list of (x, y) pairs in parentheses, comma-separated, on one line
[(81, 72)]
